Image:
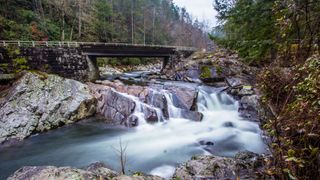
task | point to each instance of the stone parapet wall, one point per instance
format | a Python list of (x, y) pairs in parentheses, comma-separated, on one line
[(66, 62)]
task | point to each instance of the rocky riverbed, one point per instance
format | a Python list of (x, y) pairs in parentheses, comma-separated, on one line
[(205, 108), (245, 165)]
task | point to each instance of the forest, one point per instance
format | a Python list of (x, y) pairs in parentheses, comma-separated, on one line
[(115, 21), (283, 38)]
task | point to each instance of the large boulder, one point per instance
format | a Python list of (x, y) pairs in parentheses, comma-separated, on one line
[(96, 171), (112, 105), (251, 107), (101, 169), (40, 102), (245, 165), (207, 167), (184, 98), (120, 108), (51, 172), (116, 106), (158, 100), (192, 115)]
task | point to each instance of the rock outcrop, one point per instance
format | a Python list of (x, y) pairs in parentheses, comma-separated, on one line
[(101, 169), (245, 165), (40, 102), (224, 68), (120, 108), (184, 98), (96, 171), (119, 103), (211, 67), (252, 108)]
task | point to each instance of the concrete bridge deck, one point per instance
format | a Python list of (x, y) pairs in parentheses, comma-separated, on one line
[(100, 48)]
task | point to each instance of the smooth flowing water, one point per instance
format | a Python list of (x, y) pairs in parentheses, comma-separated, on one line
[(151, 148)]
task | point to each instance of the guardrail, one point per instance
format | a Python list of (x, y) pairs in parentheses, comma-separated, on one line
[(4, 43)]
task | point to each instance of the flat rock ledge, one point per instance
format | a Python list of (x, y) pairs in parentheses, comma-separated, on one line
[(245, 165), (38, 102), (96, 171)]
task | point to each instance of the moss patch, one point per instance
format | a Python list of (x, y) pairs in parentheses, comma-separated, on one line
[(205, 72)]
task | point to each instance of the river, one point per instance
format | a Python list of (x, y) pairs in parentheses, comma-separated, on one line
[(152, 148)]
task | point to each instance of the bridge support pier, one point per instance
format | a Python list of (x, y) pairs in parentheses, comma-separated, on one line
[(93, 69), (165, 62)]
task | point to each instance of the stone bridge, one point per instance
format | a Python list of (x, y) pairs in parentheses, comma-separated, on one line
[(78, 60)]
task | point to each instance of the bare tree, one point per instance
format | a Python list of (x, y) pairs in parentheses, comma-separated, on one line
[(122, 156), (80, 12), (132, 21)]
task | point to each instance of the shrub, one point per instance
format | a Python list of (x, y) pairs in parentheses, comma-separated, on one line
[(296, 129), (19, 63)]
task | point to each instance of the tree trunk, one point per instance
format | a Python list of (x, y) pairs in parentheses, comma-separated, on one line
[(132, 21), (111, 21), (144, 29), (80, 5), (153, 24), (63, 21)]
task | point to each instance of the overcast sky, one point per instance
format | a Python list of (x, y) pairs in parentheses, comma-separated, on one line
[(201, 9)]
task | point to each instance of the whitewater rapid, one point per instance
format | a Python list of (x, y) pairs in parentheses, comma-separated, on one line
[(151, 148)]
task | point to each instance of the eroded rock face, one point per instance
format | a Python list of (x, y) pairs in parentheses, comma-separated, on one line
[(158, 100), (245, 165), (119, 108), (115, 104), (184, 98), (38, 103)]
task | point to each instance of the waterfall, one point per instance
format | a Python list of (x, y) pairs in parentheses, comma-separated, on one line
[(174, 112), (221, 132), (215, 101)]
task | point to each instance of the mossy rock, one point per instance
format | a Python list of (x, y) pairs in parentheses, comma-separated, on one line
[(42, 75), (205, 72), (4, 77)]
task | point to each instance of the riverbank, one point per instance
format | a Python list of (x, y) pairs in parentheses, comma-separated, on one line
[(245, 165), (181, 119)]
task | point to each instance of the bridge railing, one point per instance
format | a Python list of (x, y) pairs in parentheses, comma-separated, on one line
[(4, 43)]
